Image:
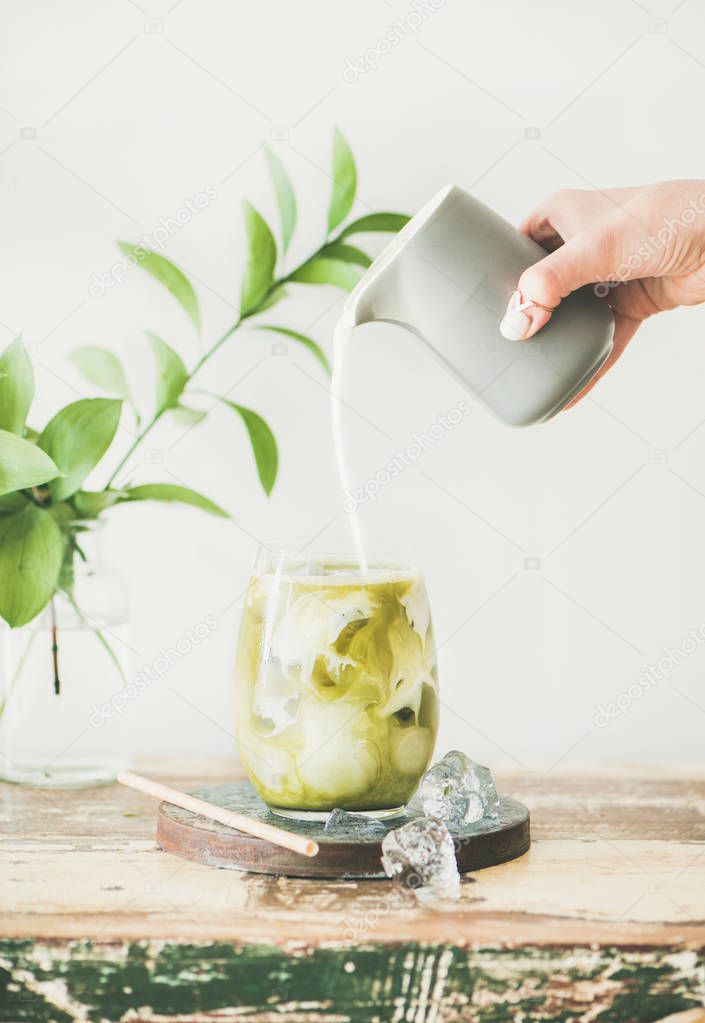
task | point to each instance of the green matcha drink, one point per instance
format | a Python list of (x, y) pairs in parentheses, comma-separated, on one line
[(336, 688)]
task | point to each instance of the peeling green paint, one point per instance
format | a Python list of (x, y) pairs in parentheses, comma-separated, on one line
[(649, 994), (98, 982)]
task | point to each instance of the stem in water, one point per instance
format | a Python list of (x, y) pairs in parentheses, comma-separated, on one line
[(54, 648)]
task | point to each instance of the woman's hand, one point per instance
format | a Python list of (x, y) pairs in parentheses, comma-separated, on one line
[(642, 248)]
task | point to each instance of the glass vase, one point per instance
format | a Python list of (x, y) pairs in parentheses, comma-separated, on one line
[(62, 677)]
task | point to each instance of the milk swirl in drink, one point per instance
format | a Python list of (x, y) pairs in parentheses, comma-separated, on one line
[(336, 698)]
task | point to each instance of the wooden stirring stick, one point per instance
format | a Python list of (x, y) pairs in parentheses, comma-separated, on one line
[(270, 833)]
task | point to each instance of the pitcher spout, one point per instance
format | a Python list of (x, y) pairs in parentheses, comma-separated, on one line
[(380, 293)]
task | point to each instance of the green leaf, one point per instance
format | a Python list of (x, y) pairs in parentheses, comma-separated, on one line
[(264, 446), (275, 296), (261, 260), (172, 375), (328, 271), (188, 416), (16, 387), (301, 339), (23, 464), (77, 438), (102, 368), (391, 222), (344, 181), (172, 492), (72, 551), (62, 512), (89, 504), (12, 502), (286, 199), (31, 552), (348, 254), (168, 274)]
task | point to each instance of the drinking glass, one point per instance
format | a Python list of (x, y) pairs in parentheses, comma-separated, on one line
[(336, 685)]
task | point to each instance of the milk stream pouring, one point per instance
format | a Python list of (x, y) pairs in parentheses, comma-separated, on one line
[(447, 278)]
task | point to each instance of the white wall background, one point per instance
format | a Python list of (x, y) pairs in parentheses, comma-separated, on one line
[(115, 112)]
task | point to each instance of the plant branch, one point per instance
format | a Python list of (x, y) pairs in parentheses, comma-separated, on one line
[(213, 349), (278, 283), (54, 648), (133, 447)]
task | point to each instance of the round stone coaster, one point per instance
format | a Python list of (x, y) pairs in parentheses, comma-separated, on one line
[(344, 853)]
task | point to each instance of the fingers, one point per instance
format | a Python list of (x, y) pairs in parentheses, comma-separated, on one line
[(542, 230), (583, 259), (582, 230), (523, 317), (570, 211)]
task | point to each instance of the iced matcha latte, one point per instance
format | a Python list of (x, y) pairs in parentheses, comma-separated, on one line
[(336, 685)]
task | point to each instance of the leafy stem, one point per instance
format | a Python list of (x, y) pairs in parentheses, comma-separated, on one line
[(133, 447), (276, 284), (160, 412)]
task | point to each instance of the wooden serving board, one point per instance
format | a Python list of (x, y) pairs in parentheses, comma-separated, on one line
[(342, 854)]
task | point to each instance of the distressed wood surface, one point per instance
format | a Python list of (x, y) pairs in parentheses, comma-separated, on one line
[(217, 983), (349, 852), (618, 859), (603, 921)]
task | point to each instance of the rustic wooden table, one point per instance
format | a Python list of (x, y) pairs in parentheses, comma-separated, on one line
[(603, 920)]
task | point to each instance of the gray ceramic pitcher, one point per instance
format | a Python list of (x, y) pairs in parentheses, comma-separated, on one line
[(448, 276)]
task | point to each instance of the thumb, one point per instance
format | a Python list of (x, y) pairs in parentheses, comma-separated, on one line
[(582, 260)]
